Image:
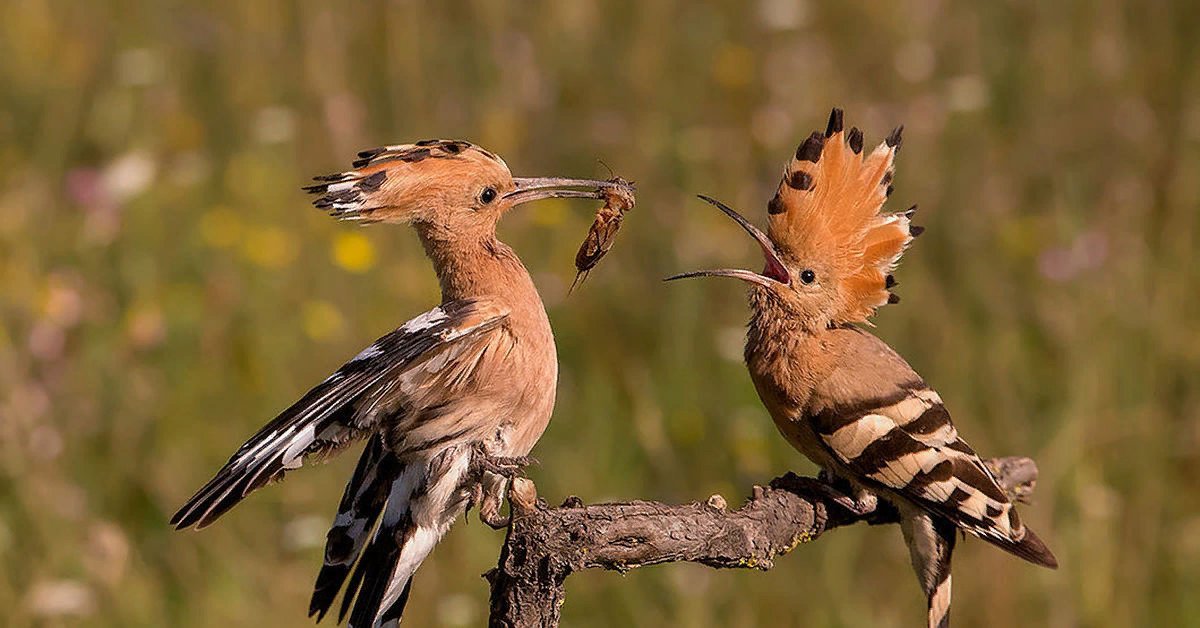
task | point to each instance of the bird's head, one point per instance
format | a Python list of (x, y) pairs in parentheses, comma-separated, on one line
[(448, 188), (828, 250)]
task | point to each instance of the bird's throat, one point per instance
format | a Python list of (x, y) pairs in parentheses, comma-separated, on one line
[(477, 267)]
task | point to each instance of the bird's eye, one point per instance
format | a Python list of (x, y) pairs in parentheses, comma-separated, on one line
[(808, 276), (487, 195)]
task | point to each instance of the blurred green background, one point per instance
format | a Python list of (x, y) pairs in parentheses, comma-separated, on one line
[(167, 288)]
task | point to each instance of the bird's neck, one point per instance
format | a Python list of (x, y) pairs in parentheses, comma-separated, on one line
[(478, 265), (786, 359)]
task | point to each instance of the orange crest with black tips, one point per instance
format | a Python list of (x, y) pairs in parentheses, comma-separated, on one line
[(827, 209)]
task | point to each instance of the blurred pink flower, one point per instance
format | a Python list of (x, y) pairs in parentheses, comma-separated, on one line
[(1088, 251), (85, 187)]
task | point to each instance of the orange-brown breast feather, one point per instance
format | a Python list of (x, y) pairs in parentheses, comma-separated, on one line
[(827, 209)]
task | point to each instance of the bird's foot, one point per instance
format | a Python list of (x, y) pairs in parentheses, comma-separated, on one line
[(489, 512), (506, 466), (865, 503), (511, 466), (474, 495), (837, 491), (489, 490), (489, 497)]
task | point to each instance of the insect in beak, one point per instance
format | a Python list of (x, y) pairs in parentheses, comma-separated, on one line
[(617, 200), (774, 272)]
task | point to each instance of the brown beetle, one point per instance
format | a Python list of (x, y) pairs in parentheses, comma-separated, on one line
[(618, 199)]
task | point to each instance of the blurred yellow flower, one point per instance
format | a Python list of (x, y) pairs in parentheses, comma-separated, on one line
[(220, 228), (353, 252), (270, 247), (62, 302), (322, 320), (184, 131), (733, 66), (145, 325)]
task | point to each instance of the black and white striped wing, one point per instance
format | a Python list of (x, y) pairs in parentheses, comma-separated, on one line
[(908, 445), (343, 407)]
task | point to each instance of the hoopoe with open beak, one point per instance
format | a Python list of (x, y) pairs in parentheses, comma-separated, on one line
[(840, 395), (448, 403)]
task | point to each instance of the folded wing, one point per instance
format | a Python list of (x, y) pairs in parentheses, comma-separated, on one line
[(347, 405), (907, 444)]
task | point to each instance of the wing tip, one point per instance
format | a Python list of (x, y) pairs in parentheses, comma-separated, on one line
[(182, 523), (219, 496), (1030, 548), (196, 515), (1034, 550), (189, 514)]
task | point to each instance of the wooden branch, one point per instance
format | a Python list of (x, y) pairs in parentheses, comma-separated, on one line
[(544, 545)]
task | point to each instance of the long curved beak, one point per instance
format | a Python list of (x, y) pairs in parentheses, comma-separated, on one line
[(537, 188), (774, 271)]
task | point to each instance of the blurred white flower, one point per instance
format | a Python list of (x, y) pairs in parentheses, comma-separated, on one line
[(457, 610), (139, 67), (274, 125), (967, 93), (129, 175), (772, 126), (915, 61), (107, 552), (190, 168), (305, 532), (58, 598), (45, 443), (730, 343), (783, 15)]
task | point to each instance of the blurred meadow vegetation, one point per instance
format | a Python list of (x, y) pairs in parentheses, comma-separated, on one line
[(167, 288)]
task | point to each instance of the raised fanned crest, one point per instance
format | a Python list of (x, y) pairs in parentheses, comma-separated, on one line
[(827, 209)]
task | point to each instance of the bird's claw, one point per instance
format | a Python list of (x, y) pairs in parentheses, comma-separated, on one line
[(506, 466), (489, 514), (827, 485), (489, 497), (865, 503), (489, 503)]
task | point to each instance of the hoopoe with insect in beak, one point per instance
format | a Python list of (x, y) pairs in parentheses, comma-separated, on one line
[(450, 403), (838, 394)]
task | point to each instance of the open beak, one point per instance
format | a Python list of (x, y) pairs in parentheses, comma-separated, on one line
[(537, 188), (774, 272)]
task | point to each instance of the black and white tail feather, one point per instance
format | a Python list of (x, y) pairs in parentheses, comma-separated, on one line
[(365, 498), (423, 498), (930, 545)]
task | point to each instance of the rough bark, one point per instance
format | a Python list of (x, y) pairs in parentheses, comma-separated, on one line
[(545, 545)]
